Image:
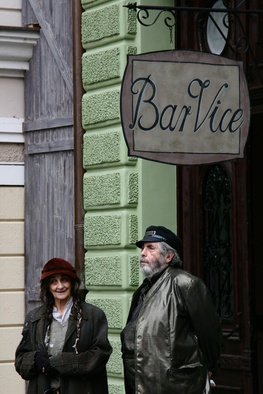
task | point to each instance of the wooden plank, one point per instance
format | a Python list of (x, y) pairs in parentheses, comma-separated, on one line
[(49, 214), (49, 123), (28, 16), (49, 143), (49, 147), (50, 37), (48, 96)]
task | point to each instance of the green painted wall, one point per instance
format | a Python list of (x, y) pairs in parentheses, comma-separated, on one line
[(122, 195)]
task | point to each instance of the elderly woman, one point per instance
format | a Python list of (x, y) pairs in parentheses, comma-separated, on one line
[(65, 348)]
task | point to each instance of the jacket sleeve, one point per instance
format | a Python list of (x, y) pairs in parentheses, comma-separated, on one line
[(25, 354), (91, 357), (205, 321)]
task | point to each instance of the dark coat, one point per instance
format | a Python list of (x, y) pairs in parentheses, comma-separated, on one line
[(177, 338), (83, 373)]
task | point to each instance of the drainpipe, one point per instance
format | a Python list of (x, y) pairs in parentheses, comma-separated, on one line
[(78, 139)]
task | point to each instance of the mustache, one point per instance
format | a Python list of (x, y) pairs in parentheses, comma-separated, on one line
[(143, 260)]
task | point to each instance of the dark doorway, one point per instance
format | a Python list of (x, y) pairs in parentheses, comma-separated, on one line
[(256, 138), (220, 220), (221, 214)]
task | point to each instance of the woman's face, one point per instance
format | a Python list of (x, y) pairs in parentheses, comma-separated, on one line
[(60, 287)]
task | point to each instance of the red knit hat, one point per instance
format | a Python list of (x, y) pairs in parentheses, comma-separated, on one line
[(58, 266)]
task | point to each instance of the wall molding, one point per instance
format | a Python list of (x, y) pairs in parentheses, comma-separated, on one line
[(16, 50), (11, 130), (12, 174)]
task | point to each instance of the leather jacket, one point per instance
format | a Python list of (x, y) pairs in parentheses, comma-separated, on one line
[(177, 337), (82, 373)]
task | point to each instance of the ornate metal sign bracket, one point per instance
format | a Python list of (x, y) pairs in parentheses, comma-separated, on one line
[(219, 18)]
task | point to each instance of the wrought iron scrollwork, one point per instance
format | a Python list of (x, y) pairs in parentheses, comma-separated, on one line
[(217, 239), (149, 15), (144, 16), (231, 17)]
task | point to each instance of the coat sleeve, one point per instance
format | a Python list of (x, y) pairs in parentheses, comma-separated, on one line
[(25, 354), (205, 321), (93, 356)]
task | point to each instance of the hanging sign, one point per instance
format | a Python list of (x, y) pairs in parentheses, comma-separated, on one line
[(184, 107)]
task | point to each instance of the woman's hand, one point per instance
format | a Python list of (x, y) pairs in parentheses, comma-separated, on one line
[(42, 362)]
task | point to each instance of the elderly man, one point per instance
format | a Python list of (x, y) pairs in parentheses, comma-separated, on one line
[(171, 342)]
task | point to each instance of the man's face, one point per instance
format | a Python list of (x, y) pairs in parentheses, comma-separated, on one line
[(152, 260)]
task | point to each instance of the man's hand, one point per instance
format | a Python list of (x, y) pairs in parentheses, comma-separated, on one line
[(212, 383)]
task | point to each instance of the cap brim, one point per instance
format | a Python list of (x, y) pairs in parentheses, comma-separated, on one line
[(140, 243)]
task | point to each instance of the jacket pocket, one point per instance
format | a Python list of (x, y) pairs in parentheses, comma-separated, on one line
[(187, 380)]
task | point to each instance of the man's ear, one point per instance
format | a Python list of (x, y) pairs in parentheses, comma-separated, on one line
[(169, 257)]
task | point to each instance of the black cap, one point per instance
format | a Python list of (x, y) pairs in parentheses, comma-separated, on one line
[(161, 234)]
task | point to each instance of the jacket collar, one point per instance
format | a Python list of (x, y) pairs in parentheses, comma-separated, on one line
[(161, 277), (40, 313)]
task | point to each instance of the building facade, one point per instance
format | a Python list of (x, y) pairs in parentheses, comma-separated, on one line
[(68, 187)]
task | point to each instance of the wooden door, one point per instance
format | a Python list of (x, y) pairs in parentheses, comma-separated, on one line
[(255, 236), (48, 128), (214, 225), (220, 220)]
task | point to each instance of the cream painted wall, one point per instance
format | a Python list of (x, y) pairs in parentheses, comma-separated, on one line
[(10, 12), (11, 215), (11, 284), (11, 97)]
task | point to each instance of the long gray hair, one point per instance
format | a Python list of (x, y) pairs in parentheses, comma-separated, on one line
[(176, 262)]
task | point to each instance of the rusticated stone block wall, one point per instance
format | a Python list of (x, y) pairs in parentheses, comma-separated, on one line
[(111, 190), (122, 195)]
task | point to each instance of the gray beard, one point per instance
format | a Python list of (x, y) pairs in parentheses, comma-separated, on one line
[(148, 272)]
